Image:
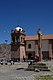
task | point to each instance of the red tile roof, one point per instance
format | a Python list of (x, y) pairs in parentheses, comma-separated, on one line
[(49, 36)]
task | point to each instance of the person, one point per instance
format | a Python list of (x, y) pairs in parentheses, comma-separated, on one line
[(36, 58), (5, 62), (2, 62), (30, 62), (11, 62)]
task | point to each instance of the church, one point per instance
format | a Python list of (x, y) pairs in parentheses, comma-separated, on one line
[(23, 46)]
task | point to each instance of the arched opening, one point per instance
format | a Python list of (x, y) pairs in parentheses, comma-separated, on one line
[(29, 46), (29, 56)]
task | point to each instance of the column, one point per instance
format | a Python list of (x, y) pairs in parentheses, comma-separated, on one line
[(40, 44), (36, 50), (22, 52)]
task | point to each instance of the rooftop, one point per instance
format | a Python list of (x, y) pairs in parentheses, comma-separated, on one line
[(48, 36)]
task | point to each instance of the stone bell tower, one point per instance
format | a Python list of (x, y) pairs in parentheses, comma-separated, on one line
[(17, 44)]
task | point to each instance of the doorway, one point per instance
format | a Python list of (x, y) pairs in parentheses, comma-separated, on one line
[(31, 55)]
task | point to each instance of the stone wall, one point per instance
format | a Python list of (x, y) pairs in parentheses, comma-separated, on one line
[(5, 52)]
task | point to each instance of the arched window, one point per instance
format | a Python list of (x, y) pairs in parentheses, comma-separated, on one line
[(17, 38), (29, 46), (21, 39), (13, 39)]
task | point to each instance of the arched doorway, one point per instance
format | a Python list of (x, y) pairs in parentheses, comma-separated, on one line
[(31, 56), (45, 55)]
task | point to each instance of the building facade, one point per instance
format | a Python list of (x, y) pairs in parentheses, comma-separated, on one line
[(23, 46)]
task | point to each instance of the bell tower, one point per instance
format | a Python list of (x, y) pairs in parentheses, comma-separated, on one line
[(17, 44)]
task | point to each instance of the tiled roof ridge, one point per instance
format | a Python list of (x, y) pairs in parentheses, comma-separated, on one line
[(44, 36)]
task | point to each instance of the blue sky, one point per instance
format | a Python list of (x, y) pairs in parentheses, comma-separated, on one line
[(29, 14)]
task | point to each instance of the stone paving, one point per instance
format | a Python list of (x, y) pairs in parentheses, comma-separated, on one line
[(10, 72)]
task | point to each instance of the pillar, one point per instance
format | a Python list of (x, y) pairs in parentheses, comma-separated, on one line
[(40, 44), (36, 50), (22, 53)]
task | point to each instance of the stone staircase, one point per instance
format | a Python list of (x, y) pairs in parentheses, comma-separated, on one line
[(39, 66)]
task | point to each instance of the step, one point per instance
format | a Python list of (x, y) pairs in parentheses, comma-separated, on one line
[(39, 66)]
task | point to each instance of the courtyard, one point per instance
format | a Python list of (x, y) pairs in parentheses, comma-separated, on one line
[(17, 71)]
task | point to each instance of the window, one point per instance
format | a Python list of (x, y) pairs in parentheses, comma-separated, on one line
[(13, 38), (21, 39), (17, 38), (29, 46)]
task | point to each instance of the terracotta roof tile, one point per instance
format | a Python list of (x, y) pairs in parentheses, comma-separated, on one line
[(48, 36)]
